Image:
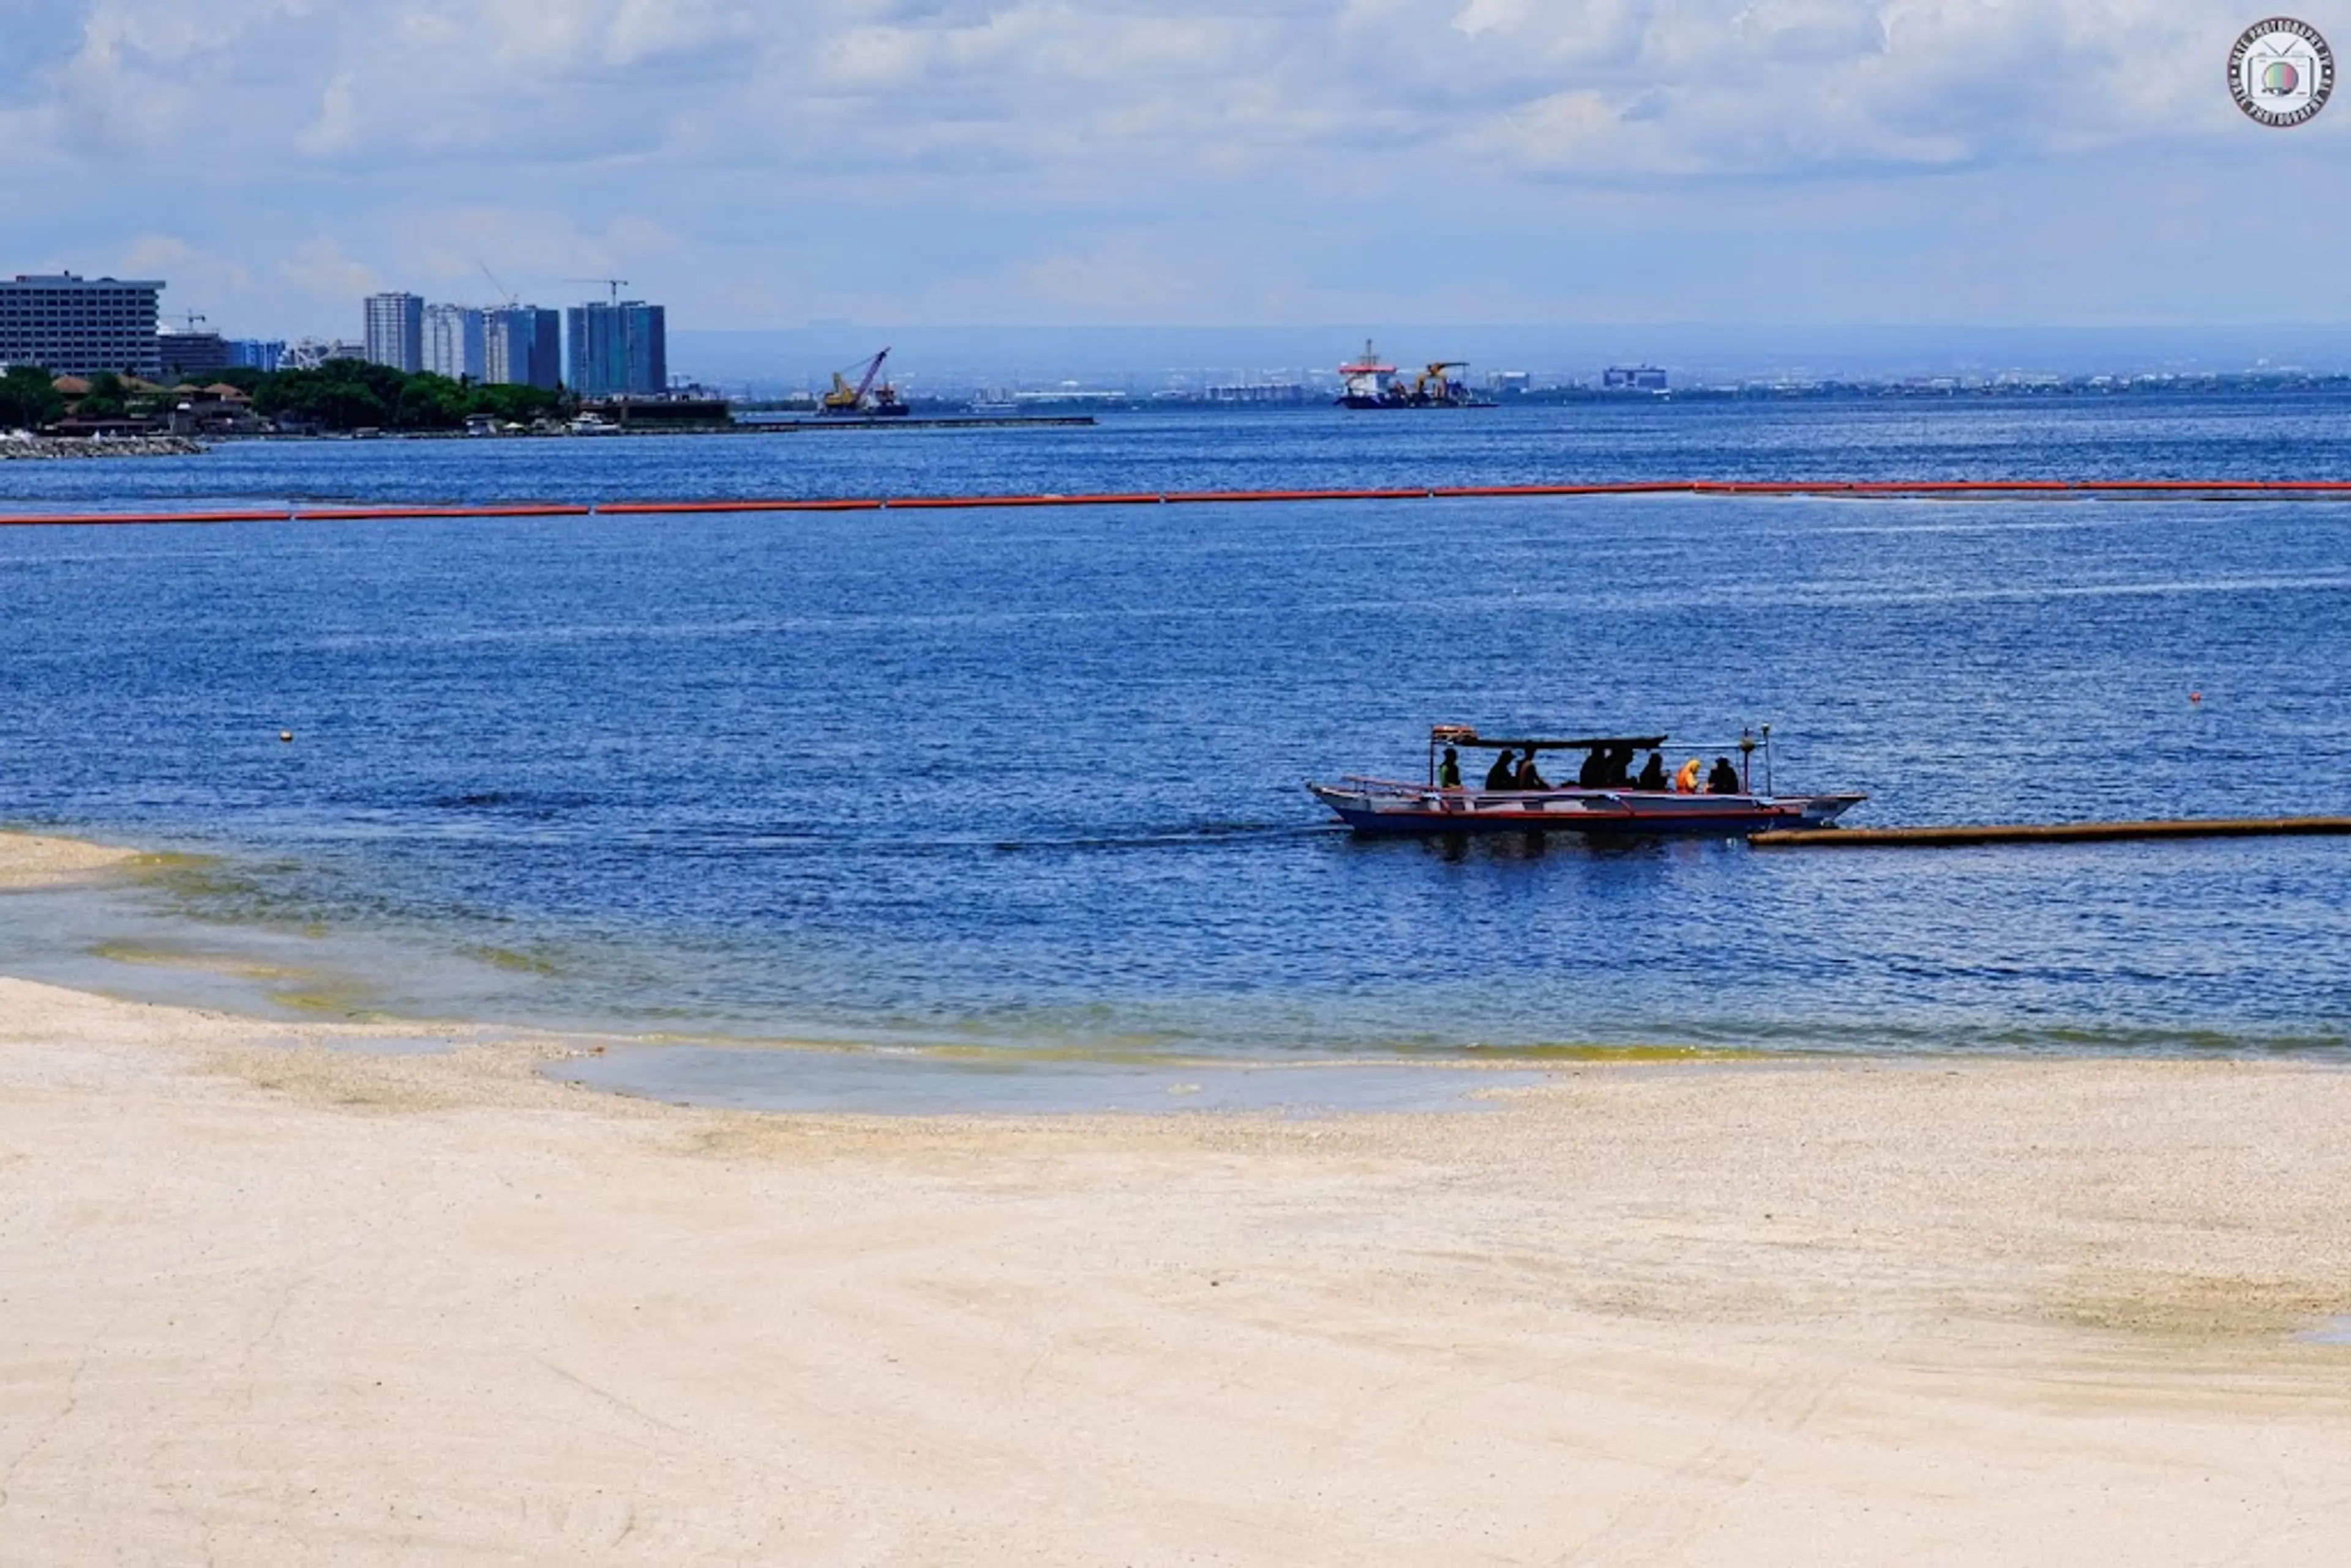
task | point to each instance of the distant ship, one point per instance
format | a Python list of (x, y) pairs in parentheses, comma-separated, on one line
[(1368, 384)]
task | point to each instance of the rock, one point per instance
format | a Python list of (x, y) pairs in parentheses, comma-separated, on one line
[(36, 446)]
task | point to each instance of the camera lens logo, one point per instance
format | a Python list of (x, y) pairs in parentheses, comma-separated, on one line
[(2280, 71)]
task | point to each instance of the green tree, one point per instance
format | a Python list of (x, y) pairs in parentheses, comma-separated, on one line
[(515, 405), (28, 400), (349, 395), (430, 403), (108, 398)]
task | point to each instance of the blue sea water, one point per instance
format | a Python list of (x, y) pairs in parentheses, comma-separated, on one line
[(1031, 778)]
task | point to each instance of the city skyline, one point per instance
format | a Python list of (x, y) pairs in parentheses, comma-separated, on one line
[(1036, 162)]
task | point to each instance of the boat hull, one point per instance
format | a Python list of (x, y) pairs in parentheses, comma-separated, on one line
[(1378, 808)]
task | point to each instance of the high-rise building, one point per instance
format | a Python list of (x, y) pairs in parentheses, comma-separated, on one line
[(257, 353), (454, 341), (395, 331), (73, 326), (620, 349), (522, 345)]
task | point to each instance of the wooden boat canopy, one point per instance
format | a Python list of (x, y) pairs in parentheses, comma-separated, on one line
[(1460, 735)]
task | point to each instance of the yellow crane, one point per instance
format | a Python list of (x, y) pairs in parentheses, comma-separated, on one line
[(1433, 385), (866, 397)]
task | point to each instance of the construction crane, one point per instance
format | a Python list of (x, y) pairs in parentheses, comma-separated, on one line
[(1433, 385), (614, 284), (507, 294), (864, 398)]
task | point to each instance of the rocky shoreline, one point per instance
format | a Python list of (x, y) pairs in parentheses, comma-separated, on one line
[(38, 446)]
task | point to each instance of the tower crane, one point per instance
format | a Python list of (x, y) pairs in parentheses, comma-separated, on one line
[(613, 284), (505, 293)]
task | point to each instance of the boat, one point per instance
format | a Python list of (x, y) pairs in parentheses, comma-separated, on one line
[(1371, 805), (1368, 383)]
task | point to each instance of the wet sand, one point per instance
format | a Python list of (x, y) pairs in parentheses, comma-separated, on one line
[(262, 1301), (31, 860)]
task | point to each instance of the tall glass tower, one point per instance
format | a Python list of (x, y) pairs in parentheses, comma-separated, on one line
[(522, 345), (620, 349)]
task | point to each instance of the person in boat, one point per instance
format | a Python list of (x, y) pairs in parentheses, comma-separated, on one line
[(1449, 770), (1620, 767), (1502, 775), (1594, 774), (1528, 778), (1685, 778), (1653, 777), (1723, 780)]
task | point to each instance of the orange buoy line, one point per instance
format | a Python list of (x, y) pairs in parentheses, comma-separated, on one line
[(1870, 489)]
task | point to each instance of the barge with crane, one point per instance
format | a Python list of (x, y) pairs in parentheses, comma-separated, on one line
[(870, 398), (1370, 382)]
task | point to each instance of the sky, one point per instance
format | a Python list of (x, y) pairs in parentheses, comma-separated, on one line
[(765, 164)]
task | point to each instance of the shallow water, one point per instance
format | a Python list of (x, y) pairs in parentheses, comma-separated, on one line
[(1002, 777), (921, 1084)]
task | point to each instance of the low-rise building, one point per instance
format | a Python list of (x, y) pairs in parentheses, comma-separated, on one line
[(191, 354), (255, 353)]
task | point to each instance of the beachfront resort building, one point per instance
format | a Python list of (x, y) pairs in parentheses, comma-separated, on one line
[(72, 326), (455, 336), (395, 331), (620, 349)]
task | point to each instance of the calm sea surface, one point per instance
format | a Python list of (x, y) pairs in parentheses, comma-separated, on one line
[(1021, 778)]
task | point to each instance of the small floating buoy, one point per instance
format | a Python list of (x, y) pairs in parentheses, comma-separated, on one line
[(2195, 696), (287, 736)]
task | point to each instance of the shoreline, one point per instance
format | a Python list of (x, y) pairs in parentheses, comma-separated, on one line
[(273, 1295)]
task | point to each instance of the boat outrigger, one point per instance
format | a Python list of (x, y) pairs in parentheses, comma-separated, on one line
[(1398, 806)]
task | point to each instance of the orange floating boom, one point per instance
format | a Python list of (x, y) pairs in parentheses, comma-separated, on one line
[(1875, 489)]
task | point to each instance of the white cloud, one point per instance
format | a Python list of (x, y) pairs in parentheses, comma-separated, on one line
[(337, 128), (319, 267), (1695, 87), (946, 153)]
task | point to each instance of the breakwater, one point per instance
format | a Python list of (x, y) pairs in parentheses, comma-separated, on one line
[(1961, 834), (36, 448)]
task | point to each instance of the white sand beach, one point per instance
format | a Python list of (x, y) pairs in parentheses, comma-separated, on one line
[(266, 1302)]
